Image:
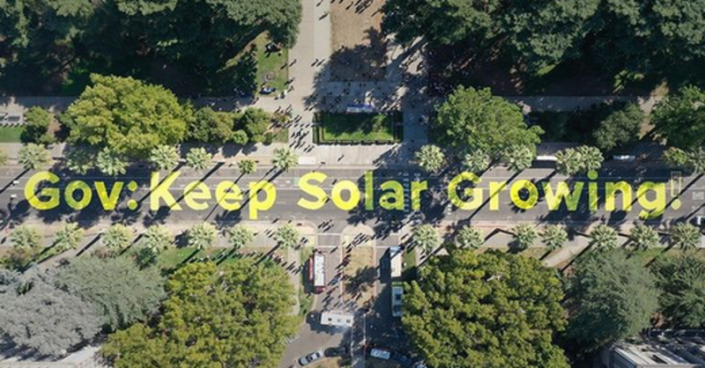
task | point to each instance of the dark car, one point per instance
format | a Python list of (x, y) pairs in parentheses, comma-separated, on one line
[(404, 360), (336, 352), (311, 358)]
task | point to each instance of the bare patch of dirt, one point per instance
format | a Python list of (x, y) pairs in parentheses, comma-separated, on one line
[(359, 47)]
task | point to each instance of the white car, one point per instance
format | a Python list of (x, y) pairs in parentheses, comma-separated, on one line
[(308, 359)]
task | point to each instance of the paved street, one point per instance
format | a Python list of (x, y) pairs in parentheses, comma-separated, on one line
[(683, 198)]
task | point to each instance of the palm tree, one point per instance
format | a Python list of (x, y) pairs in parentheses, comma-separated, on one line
[(284, 159), (685, 236), (430, 158), (198, 158), (247, 166), (26, 237), (117, 238), (110, 164), (425, 237), (644, 237), (68, 237), (518, 158), (604, 237), (554, 237), (240, 237), (591, 158), (202, 236), (287, 236), (477, 161), (157, 238), (524, 236), (80, 160), (470, 238), (164, 157), (33, 156), (568, 162)]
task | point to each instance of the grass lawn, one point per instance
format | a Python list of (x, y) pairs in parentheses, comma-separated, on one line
[(269, 65), (357, 127), (10, 134), (281, 135)]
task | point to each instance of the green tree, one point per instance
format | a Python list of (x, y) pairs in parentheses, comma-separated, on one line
[(613, 297), (127, 116), (36, 128), (518, 158), (644, 237), (470, 238), (240, 137), (164, 157), (26, 237), (80, 160), (680, 118), (691, 160), (233, 315), (209, 126), (509, 308), (247, 166), (287, 236), (117, 238), (121, 292), (681, 281), (591, 158), (554, 237), (256, 122), (111, 163), (198, 158), (476, 120), (284, 159), (604, 237), (33, 156), (685, 236), (430, 158), (240, 236), (476, 161), (157, 239), (67, 237), (620, 129), (524, 236), (425, 237), (575, 160), (202, 236)]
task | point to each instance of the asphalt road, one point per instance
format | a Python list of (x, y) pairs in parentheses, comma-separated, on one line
[(682, 197)]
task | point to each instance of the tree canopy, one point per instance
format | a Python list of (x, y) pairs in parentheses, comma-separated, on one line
[(680, 118), (120, 291), (682, 282), (488, 310), (540, 34), (237, 316), (476, 120), (613, 297), (37, 316), (127, 116)]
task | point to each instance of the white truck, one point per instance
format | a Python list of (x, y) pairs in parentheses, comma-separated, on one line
[(395, 262)]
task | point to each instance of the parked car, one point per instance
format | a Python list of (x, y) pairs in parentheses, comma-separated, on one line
[(311, 358), (335, 352), (378, 353), (267, 90), (404, 360)]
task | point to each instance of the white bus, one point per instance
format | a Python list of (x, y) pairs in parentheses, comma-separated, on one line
[(317, 272), (395, 261)]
